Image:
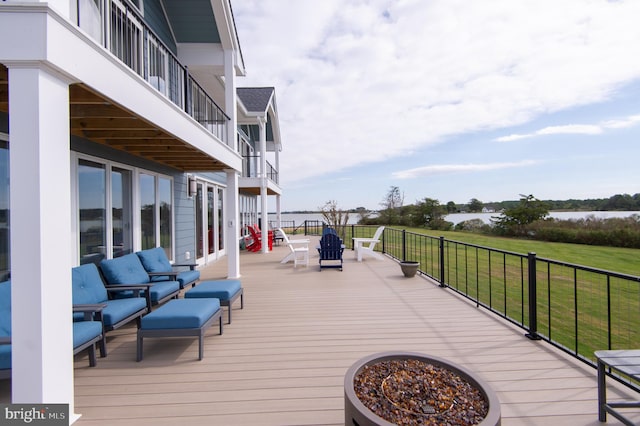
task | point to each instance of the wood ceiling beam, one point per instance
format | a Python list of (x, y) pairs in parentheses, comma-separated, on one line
[(125, 134), (128, 123), (94, 117)]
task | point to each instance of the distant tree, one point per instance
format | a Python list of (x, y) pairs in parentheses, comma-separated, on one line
[(362, 213), (393, 199), (452, 207), (431, 213), (334, 216), (620, 202), (391, 204), (475, 205), (514, 219)]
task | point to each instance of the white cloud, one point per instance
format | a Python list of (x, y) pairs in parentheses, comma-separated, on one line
[(458, 168), (622, 123), (576, 129), (359, 81)]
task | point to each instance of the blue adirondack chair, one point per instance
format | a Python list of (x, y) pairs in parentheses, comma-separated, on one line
[(330, 250)]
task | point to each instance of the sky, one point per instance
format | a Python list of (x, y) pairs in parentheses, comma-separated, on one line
[(448, 99)]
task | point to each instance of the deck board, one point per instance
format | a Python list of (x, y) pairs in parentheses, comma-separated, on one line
[(282, 361)]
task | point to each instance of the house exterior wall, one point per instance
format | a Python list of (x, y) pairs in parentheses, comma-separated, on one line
[(52, 55), (154, 16)]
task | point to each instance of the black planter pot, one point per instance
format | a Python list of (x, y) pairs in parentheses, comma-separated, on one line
[(409, 268), (356, 413)]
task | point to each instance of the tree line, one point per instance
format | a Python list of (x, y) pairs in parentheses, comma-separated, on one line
[(524, 218)]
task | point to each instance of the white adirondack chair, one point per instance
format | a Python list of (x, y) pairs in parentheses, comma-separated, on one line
[(366, 246), (299, 250)]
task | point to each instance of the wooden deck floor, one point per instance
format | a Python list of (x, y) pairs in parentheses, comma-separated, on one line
[(282, 361)]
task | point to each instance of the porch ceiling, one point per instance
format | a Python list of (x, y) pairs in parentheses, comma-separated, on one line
[(94, 117)]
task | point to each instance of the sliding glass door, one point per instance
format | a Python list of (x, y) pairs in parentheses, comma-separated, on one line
[(121, 210), (209, 222)]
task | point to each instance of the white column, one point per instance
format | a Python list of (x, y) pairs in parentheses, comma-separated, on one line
[(232, 218), (264, 208), (278, 211), (42, 336), (232, 209), (230, 97)]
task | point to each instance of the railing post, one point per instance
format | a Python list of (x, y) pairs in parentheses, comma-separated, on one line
[(533, 303), (187, 93), (441, 247), (353, 235), (404, 245)]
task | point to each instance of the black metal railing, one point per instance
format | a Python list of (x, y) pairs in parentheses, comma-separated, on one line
[(573, 307), (121, 30), (250, 168)]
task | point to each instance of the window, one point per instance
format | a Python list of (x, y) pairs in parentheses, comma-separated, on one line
[(147, 211), (121, 210), (166, 215), (92, 204)]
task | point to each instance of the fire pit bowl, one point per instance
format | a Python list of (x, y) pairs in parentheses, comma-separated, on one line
[(408, 388)]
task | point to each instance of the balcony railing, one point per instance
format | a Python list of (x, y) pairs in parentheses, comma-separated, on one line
[(250, 167), (575, 308), (120, 29)]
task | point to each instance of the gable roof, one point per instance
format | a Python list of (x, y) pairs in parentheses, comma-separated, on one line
[(256, 99)]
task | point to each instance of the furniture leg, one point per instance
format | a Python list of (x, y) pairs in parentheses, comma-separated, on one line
[(602, 393)]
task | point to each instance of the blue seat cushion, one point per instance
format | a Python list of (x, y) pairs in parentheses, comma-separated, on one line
[(126, 269), (5, 357), (5, 309), (162, 289), (181, 313), (186, 277), (220, 289), (87, 285), (119, 309), (5, 323), (84, 331)]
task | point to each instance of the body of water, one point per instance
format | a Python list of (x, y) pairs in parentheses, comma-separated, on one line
[(461, 217)]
